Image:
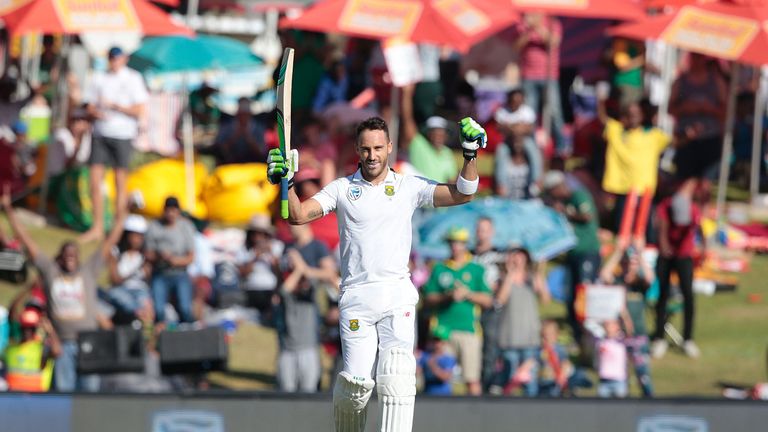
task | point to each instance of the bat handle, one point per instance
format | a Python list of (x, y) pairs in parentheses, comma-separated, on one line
[(284, 198)]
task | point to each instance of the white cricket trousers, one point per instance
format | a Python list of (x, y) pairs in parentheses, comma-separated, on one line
[(376, 317)]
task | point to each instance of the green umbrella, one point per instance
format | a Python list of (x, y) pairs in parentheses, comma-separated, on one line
[(181, 53)]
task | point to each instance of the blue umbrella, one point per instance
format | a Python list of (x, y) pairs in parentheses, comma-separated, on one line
[(184, 54), (530, 224)]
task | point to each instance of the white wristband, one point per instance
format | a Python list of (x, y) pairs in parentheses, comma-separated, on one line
[(465, 186)]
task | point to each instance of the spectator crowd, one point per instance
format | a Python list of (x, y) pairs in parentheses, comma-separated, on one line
[(486, 324)]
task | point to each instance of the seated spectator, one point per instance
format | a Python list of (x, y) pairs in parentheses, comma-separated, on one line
[(437, 364), (454, 291), (71, 291), (431, 155), (25, 153), (309, 265), (555, 368), (240, 139), (517, 121), (258, 263), (129, 272), (318, 153), (513, 172), (29, 361), (170, 249), (205, 111), (520, 325), (202, 271), (71, 146), (611, 359), (636, 275), (332, 88)]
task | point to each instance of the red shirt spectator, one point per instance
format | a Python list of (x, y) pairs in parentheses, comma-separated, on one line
[(533, 32), (680, 238)]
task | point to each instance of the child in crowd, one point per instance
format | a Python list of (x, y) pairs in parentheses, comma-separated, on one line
[(437, 364), (129, 272), (555, 367), (637, 276), (611, 356)]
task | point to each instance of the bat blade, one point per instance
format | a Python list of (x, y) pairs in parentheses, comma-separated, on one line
[(284, 85)]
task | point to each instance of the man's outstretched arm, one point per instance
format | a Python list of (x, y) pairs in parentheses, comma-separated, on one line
[(473, 138)]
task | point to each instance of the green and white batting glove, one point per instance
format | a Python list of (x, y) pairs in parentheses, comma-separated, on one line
[(278, 167), (473, 137)]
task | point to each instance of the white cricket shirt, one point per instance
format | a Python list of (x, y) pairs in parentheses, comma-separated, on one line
[(375, 224)]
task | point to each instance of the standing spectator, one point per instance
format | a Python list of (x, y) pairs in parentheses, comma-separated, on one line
[(170, 249), (117, 100), (71, 290), (431, 155), (520, 325), (555, 368), (611, 356), (202, 271), (299, 331), (456, 290), (129, 272), (697, 102), (240, 139), (517, 121), (584, 259), (437, 365), (538, 41), (29, 361), (628, 61), (429, 90), (634, 148), (71, 145), (258, 262), (513, 171), (333, 87), (636, 275), (491, 259), (679, 222)]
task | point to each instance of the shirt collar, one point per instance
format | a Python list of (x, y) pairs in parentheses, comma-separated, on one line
[(391, 177)]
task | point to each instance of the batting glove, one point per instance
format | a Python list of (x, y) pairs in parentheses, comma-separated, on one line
[(278, 167), (473, 137)]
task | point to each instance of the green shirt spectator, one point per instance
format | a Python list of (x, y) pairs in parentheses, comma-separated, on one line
[(581, 202), (430, 155), (462, 315)]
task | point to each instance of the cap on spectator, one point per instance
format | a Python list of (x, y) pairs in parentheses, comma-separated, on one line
[(261, 223), (172, 202), (135, 223), (19, 127), (457, 234), (552, 179), (437, 122), (114, 52), (30, 318), (442, 333)]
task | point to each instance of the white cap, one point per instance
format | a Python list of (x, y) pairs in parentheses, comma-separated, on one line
[(135, 223), (552, 179), (437, 122)]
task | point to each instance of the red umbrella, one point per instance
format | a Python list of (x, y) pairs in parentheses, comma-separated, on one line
[(456, 23), (731, 32), (607, 9), (73, 17)]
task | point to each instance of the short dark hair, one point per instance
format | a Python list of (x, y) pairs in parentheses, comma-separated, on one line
[(515, 91), (371, 124)]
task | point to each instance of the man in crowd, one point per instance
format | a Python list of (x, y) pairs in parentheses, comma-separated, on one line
[(71, 290), (117, 100), (170, 248), (584, 259), (430, 155), (310, 265), (29, 362), (457, 291)]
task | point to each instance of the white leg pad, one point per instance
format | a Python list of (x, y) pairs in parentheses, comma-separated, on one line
[(396, 386), (350, 398)]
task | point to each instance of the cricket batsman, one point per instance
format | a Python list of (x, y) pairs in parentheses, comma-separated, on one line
[(378, 301)]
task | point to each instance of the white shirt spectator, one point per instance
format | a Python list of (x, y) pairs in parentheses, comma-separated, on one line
[(64, 147), (524, 114), (124, 88)]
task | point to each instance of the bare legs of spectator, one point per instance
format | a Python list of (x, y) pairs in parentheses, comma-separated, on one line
[(121, 192), (96, 232)]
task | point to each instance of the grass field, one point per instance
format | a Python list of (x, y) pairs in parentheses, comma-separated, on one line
[(731, 331)]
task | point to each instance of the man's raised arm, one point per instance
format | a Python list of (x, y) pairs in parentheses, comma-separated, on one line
[(299, 213), (473, 138)]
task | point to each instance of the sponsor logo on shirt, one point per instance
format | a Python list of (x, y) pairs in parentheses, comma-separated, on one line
[(354, 325), (354, 192)]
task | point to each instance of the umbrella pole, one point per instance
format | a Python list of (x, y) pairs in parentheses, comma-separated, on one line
[(394, 122), (189, 153), (725, 160), (757, 136)]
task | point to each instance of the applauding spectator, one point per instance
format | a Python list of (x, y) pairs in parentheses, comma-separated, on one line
[(129, 271)]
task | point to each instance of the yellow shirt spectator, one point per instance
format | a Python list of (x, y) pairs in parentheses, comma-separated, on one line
[(632, 157)]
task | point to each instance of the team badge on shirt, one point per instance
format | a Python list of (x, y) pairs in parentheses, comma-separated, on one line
[(354, 192), (354, 325), (389, 190)]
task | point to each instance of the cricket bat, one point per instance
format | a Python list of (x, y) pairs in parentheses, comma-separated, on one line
[(284, 85)]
